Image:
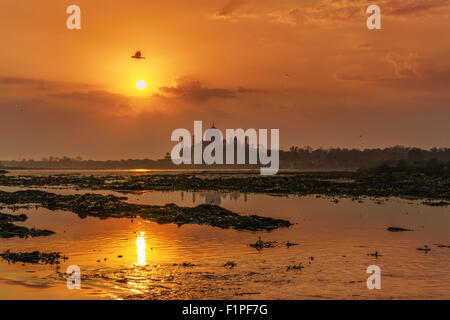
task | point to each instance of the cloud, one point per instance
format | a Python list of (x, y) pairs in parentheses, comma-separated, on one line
[(405, 66), (101, 97), (402, 71), (349, 11), (413, 8), (192, 90), (42, 85), (229, 8)]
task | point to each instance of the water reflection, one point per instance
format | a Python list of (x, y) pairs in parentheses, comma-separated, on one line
[(140, 247), (212, 197)]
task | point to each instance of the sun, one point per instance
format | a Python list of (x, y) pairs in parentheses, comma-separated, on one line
[(141, 85)]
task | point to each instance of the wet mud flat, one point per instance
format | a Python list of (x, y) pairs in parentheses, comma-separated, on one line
[(143, 254), (111, 206), (433, 189)]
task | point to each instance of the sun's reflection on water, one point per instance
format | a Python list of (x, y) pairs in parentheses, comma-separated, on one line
[(140, 247)]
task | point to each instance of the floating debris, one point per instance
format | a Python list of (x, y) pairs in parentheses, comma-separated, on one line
[(240, 294), (230, 264), (375, 254), (185, 264), (436, 203), (10, 230), (295, 267), (425, 248), (260, 244), (34, 257), (397, 229), (290, 244)]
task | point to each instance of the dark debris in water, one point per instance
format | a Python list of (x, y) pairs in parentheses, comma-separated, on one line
[(295, 267), (397, 229), (185, 264), (230, 264), (4, 218), (260, 244), (34, 257), (375, 254), (436, 203), (425, 249)]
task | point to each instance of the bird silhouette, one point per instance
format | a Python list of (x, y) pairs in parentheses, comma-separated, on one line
[(138, 55)]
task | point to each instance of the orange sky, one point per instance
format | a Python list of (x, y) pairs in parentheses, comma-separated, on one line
[(310, 68)]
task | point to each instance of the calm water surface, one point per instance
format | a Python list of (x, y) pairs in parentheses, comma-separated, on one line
[(338, 236)]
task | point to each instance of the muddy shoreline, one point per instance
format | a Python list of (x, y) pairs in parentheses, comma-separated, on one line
[(434, 190)]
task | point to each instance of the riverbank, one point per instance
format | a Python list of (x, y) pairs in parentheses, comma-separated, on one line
[(433, 189)]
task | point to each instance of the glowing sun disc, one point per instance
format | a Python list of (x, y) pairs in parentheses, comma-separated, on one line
[(141, 85)]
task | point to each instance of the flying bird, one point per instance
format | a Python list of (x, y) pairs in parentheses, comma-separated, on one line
[(138, 55)]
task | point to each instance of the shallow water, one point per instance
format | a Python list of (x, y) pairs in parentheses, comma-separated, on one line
[(338, 236)]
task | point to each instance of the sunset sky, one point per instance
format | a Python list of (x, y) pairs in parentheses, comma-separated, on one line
[(310, 68)]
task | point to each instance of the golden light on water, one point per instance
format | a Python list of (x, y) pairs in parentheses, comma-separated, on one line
[(141, 170), (140, 247)]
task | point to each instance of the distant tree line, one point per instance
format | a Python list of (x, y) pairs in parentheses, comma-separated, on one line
[(303, 158), (431, 167), (342, 158)]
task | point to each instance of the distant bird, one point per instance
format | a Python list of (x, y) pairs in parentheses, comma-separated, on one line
[(138, 55)]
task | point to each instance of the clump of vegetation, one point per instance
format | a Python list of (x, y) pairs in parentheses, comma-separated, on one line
[(185, 264), (290, 244), (10, 230), (4, 218), (34, 257), (436, 203), (260, 244), (295, 267)]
